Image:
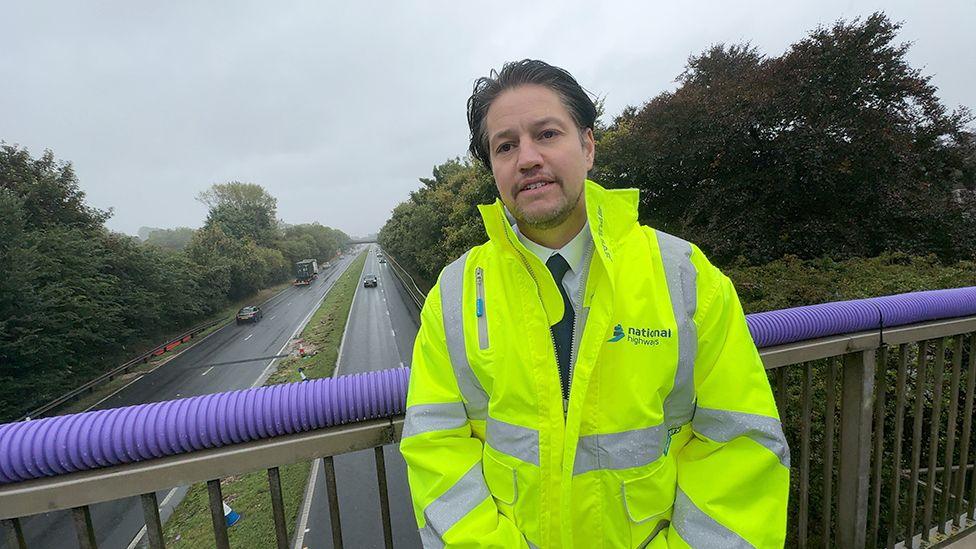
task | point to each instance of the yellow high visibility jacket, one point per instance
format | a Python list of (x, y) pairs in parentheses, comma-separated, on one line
[(670, 436)]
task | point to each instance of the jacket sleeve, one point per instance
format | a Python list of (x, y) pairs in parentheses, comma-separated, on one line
[(733, 474), (451, 500)]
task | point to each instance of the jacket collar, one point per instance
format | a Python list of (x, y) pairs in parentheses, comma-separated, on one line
[(612, 214)]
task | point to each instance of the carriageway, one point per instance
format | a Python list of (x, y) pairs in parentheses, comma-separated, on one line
[(876, 398)]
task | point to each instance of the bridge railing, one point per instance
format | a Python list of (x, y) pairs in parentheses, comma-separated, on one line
[(879, 421), (874, 421), (408, 283)]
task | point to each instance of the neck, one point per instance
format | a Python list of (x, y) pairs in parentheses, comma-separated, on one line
[(557, 237)]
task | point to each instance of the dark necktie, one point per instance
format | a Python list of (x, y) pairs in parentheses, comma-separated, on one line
[(562, 332)]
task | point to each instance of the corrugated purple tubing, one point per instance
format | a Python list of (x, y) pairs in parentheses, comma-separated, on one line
[(65, 444), (844, 317)]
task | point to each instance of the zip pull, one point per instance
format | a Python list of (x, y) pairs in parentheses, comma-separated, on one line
[(565, 408), (671, 432), (479, 277), (480, 300)]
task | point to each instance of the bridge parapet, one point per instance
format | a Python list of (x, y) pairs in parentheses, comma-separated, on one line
[(831, 366)]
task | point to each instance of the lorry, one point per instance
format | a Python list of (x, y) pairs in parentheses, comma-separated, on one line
[(306, 271)]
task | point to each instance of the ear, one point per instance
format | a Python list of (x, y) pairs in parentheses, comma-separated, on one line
[(589, 147)]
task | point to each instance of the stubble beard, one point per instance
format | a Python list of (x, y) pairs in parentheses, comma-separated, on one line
[(548, 219)]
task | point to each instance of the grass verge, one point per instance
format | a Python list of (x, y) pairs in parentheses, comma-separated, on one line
[(249, 495), (107, 389)]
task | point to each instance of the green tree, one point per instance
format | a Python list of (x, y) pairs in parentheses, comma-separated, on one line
[(170, 239), (49, 189), (440, 220), (242, 210), (838, 147)]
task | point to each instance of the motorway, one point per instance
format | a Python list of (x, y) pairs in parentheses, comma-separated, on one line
[(193, 372), (380, 334)]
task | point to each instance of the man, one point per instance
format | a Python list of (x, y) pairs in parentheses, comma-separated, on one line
[(581, 380)]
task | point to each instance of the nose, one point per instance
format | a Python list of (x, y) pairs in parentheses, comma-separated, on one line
[(529, 156)]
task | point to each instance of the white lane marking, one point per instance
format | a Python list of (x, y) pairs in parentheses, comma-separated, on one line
[(272, 318), (248, 337), (301, 325), (142, 533), (207, 371), (117, 391), (287, 304), (147, 372), (135, 541), (276, 296), (345, 331), (267, 370), (299, 541)]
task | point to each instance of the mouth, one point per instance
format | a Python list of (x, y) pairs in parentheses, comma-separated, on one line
[(535, 185)]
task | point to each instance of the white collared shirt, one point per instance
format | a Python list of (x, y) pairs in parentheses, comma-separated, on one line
[(574, 252)]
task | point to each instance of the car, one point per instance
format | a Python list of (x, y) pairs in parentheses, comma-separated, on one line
[(250, 313), (382, 260), (369, 281)]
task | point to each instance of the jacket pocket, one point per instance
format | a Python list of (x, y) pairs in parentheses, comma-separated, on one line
[(501, 479), (651, 495)]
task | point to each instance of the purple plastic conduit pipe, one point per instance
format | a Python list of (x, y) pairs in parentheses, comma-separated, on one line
[(844, 317), (65, 444)]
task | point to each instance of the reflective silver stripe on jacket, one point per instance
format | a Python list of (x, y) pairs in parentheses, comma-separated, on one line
[(619, 450), (459, 500), (514, 440), (699, 530), (452, 307), (610, 451), (429, 539), (682, 279), (424, 418), (723, 426)]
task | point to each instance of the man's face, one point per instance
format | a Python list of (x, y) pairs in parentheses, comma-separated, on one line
[(538, 156)]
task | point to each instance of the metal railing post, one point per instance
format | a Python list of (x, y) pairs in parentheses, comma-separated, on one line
[(217, 514), (278, 507), (855, 448), (154, 528), (15, 534), (83, 527)]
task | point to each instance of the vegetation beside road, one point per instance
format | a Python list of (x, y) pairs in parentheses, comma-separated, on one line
[(77, 299), (228, 313), (190, 524), (323, 333)]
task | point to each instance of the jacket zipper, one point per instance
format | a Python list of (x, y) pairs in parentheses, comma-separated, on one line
[(579, 319), (479, 277), (552, 338)]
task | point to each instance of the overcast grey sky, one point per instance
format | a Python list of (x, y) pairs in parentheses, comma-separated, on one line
[(337, 108)]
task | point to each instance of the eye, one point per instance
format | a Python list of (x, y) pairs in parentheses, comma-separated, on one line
[(549, 134), (504, 147)]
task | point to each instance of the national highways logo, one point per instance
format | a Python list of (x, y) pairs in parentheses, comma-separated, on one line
[(639, 336)]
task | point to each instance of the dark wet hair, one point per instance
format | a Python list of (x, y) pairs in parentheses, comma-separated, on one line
[(519, 73)]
